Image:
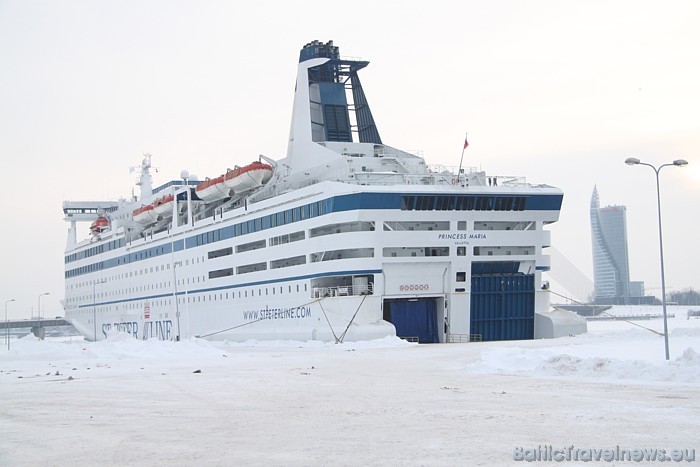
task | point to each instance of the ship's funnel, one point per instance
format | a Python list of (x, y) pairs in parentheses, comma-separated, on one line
[(336, 102)]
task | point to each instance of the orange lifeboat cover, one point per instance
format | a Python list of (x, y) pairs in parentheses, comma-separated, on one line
[(99, 225)]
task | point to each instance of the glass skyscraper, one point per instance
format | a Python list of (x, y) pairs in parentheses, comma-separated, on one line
[(611, 268)]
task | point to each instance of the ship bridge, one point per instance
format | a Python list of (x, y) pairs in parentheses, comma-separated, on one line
[(86, 211)]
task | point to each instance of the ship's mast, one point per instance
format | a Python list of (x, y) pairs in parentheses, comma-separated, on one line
[(145, 182)]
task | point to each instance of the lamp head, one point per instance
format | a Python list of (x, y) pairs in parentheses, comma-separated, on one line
[(632, 161), (680, 162)]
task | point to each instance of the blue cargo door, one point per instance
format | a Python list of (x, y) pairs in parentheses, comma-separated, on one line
[(413, 319), (503, 306)]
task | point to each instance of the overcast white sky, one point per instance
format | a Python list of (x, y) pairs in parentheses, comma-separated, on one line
[(559, 92)]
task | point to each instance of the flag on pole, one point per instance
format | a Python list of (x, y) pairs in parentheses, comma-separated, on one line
[(461, 159)]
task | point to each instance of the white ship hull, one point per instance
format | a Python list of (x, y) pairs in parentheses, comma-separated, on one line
[(403, 254), (346, 241), (259, 320)]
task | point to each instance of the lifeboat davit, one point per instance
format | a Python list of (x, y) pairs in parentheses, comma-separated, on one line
[(163, 207), (242, 179), (212, 189), (145, 215), (99, 225)]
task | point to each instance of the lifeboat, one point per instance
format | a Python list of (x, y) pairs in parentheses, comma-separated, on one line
[(163, 207), (144, 215), (242, 179), (212, 189), (99, 225)]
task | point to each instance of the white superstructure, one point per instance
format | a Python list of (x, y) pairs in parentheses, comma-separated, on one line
[(345, 238)]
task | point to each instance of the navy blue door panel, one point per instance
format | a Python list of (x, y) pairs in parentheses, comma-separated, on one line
[(503, 306), (416, 318)]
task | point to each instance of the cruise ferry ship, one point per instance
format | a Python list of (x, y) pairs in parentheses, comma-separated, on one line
[(345, 238)]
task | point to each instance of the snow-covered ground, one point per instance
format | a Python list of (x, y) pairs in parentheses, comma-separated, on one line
[(385, 402)]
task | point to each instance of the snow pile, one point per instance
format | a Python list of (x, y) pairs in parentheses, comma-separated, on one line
[(384, 343), (685, 332), (683, 369), (547, 363), (122, 346), (609, 352), (612, 351), (383, 402), (117, 346), (690, 357)]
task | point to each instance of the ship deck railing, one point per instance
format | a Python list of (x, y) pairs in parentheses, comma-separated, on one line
[(462, 338), (450, 338), (445, 178), (608, 317)]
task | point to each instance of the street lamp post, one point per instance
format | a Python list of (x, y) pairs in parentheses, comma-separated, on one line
[(7, 326), (677, 163), (94, 308), (39, 311)]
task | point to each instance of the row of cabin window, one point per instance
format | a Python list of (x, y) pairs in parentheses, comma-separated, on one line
[(124, 259), (462, 203), (330, 255), (167, 285), (254, 225), (319, 208), (215, 236), (242, 294), (95, 250), (243, 228), (126, 306), (199, 298), (354, 253), (270, 221), (288, 216), (126, 275)]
